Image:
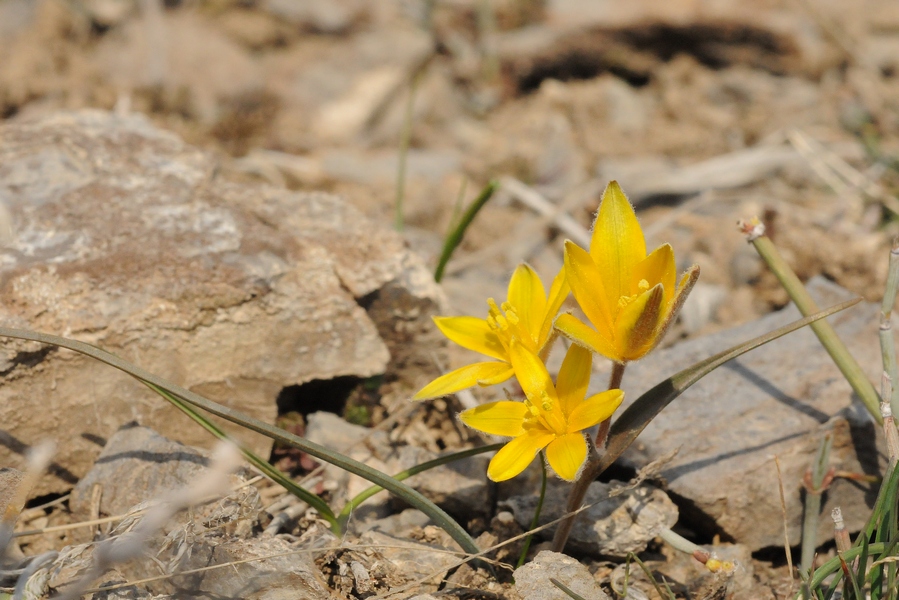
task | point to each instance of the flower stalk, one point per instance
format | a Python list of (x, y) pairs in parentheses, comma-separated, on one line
[(835, 347)]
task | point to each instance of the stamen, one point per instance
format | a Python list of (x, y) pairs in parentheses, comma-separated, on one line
[(545, 401)]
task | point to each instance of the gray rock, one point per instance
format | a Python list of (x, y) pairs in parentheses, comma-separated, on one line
[(613, 526), (532, 581), (137, 465), (461, 487), (777, 400), (193, 65), (122, 236), (401, 524), (325, 17)]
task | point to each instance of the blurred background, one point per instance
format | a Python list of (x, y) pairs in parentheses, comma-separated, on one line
[(705, 111)]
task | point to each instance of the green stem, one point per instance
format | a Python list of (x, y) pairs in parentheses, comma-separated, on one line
[(367, 493), (834, 567), (536, 520), (887, 343), (454, 237), (267, 468), (414, 498), (848, 366), (813, 502)]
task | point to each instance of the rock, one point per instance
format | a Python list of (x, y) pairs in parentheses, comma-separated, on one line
[(777, 400), (613, 526), (532, 581), (461, 487), (701, 305), (331, 92), (198, 68), (122, 236), (10, 480), (137, 464), (400, 524), (411, 561), (324, 17)]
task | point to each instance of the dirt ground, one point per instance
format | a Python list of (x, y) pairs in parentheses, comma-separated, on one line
[(706, 112)]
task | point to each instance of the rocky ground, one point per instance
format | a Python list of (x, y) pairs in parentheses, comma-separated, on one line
[(224, 220)]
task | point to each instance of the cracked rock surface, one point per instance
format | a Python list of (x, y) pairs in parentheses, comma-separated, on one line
[(119, 234)]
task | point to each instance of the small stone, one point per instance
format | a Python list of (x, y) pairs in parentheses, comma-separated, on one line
[(532, 581), (613, 526)]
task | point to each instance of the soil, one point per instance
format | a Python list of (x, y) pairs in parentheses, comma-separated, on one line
[(705, 112)]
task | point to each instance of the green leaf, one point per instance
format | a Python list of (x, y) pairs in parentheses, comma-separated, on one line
[(637, 416), (257, 461), (414, 498), (454, 237), (425, 466)]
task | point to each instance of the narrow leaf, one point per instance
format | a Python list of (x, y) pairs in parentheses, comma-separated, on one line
[(438, 515), (638, 415)]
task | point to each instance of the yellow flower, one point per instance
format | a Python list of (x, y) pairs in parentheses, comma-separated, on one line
[(551, 417), (629, 297), (527, 315)]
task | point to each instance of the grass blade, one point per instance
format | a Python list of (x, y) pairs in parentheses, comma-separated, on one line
[(454, 237), (257, 461), (414, 498), (637, 416), (567, 591), (367, 493), (835, 347)]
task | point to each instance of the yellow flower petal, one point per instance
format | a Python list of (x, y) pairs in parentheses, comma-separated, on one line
[(658, 267), (558, 291), (503, 418), (514, 457), (528, 297), (531, 373), (466, 377), (472, 333), (566, 455), (638, 324), (617, 244), (582, 334), (574, 377), (497, 375), (594, 410), (587, 285)]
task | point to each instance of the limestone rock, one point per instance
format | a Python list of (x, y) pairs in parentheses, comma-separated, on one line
[(532, 581), (135, 466), (612, 526), (777, 400), (119, 234)]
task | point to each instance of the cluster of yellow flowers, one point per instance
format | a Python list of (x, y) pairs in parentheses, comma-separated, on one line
[(630, 299)]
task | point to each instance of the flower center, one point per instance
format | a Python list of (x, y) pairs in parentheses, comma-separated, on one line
[(504, 322), (541, 414), (642, 286)]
